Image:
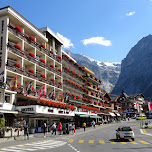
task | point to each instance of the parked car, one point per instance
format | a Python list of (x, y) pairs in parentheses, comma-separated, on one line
[(140, 116), (125, 132)]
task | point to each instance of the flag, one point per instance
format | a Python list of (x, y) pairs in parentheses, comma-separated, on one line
[(2, 76), (13, 83), (149, 105), (29, 88), (52, 95), (42, 92), (138, 107)]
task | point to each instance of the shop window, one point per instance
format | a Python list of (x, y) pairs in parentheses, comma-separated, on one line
[(2, 29), (7, 98)]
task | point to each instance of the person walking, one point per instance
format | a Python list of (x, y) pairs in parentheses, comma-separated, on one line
[(54, 129), (60, 128), (84, 125), (94, 124), (26, 132), (45, 127)]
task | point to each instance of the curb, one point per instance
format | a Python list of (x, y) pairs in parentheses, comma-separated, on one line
[(143, 131)]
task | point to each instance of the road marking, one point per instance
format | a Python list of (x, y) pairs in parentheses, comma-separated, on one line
[(133, 142), (101, 142), (73, 148), (81, 141), (91, 141), (71, 140), (112, 142), (123, 143), (144, 142)]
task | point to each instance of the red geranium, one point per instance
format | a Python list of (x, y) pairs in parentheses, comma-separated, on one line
[(59, 57), (59, 70), (52, 80), (32, 88), (32, 54), (67, 68), (67, 56), (31, 38), (52, 66), (18, 84), (18, 29), (43, 76), (60, 83), (42, 60), (42, 45), (17, 65), (18, 47), (31, 70), (73, 72)]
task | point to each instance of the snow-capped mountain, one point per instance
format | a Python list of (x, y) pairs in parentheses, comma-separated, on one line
[(108, 72)]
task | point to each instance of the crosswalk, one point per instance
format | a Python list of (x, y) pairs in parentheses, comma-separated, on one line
[(130, 124), (35, 146), (81, 141)]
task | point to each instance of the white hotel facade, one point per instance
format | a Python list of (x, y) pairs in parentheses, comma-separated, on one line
[(33, 55)]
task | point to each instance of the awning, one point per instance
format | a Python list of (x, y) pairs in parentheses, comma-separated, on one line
[(8, 111), (112, 114), (95, 117), (75, 101), (84, 116), (118, 114)]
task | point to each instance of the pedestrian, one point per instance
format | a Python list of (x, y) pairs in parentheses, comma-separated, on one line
[(73, 128), (84, 125), (26, 132), (94, 124), (45, 127), (128, 118), (60, 128), (54, 129)]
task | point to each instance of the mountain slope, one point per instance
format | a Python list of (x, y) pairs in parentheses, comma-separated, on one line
[(136, 70), (108, 72)]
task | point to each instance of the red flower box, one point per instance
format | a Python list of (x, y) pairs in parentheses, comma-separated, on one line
[(77, 75), (18, 47), (73, 95), (85, 89), (52, 80), (78, 97), (52, 66), (72, 60), (77, 64), (17, 65), (31, 38), (67, 56), (68, 80), (59, 57), (18, 84), (59, 70), (73, 83), (67, 68), (52, 52), (18, 29), (42, 45), (78, 86), (82, 87), (31, 70), (42, 60), (73, 72), (60, 83), (43, 76), (32, 54)]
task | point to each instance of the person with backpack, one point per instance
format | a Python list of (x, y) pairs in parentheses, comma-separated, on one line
[(54, 129), (84, 126)]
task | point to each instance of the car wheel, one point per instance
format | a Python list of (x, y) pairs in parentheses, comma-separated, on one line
[(133, 139)]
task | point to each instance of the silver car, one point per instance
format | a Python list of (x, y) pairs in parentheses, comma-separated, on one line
[(125, 132)]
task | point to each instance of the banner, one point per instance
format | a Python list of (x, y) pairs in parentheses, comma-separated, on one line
[(42, 92), (29, 88), (149, 105), (13, 83), (138, 107)]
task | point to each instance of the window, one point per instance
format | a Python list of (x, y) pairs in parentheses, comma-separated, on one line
[(2, 27)]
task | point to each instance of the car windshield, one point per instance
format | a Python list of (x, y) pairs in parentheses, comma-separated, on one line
[(126, 129)]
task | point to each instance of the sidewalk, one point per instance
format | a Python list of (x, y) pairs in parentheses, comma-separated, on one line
[(146, 131)]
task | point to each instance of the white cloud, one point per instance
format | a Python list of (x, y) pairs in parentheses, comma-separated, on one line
[(66, 42), (130, 13), (97, 40)]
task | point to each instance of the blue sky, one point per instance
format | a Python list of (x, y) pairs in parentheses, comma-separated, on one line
[(105, 30)]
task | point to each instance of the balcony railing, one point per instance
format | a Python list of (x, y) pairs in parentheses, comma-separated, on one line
[(26, 37)]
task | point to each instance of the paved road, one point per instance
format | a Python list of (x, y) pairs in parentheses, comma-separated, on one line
[(93, 140)]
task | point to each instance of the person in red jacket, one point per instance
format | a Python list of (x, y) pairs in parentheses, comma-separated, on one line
[(60, 128)]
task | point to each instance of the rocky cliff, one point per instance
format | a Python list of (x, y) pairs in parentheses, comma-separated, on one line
[(136, 70)]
